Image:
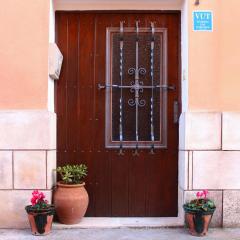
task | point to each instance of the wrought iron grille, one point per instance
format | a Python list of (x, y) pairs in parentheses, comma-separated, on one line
[(136, 88)]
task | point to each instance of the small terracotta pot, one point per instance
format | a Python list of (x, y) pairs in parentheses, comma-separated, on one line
[(71, 202), (198, 221), (41, 220)]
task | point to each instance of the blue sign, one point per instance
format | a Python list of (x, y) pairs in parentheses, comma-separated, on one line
[(202, 21)]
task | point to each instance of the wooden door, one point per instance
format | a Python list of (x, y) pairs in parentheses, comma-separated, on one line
[(138, 183)]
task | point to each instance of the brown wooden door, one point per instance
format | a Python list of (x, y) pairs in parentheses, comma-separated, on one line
[(118, 185)]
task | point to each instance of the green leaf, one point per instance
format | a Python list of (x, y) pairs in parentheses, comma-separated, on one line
[(72, 174)]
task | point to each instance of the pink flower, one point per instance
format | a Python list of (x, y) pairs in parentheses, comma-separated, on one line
[(37, 197), (205, 193), (202, 194), (33, 201), (35, 192), (199, 194)]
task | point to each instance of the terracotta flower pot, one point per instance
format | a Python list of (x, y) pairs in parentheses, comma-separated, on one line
[(40, 220), (198, 221), (71, 202)]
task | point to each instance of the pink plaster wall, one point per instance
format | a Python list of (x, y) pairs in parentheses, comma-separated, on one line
[(117, 4), (229, 54), (24, 54), (213, 56), (214, 64)]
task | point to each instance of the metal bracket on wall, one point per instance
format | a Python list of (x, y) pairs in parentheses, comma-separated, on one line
[(197, 2)]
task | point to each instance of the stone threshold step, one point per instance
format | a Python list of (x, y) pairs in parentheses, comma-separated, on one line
[(119, 222)]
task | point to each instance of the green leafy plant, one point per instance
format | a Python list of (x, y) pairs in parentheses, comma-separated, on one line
[(201, 203), (205, 205), (72, 174)]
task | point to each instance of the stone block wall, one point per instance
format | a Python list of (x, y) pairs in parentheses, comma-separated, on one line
[(27, 160), (209, 158)]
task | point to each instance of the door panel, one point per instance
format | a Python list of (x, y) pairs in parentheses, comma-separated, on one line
[(118, 185)]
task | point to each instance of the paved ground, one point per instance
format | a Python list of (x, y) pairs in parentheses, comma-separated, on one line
[(120, 234)]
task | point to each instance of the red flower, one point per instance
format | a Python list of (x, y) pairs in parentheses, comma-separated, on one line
[(38, 197), (205, 193), (202, 194)]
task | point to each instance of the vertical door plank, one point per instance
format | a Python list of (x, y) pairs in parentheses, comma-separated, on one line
[(60, 85), (72, 82), (117, 178), (120, 183), (85, 102), (101, 156)]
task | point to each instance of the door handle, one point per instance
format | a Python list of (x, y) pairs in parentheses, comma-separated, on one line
[(175, 112)]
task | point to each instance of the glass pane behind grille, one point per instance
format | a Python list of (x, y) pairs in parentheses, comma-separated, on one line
[(129, 112)]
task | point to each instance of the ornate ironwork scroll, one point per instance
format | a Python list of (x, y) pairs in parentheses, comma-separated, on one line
[(137, 82)]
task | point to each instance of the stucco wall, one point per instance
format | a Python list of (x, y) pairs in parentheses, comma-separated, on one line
[(24, 54), (117, 4), (214, 58), (28, 129)]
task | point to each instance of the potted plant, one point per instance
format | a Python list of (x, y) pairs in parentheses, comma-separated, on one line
[(40, 214), (71, 197), (198, 213)]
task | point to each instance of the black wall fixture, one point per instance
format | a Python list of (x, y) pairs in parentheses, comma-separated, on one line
[(197, 2)]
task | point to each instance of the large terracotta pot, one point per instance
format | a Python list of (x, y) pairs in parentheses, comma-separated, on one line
[(71, 202), (40, 220)]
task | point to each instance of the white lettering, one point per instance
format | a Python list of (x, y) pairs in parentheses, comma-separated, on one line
[(203, 16), (197, 15)]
